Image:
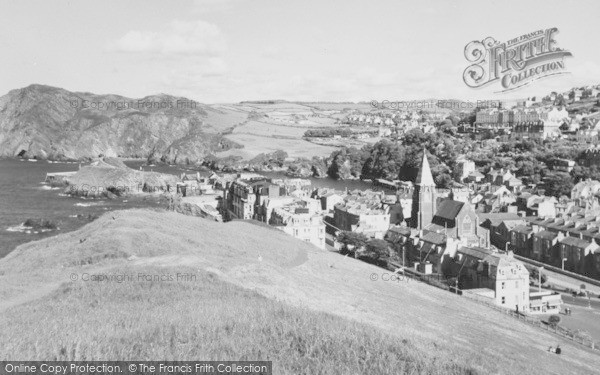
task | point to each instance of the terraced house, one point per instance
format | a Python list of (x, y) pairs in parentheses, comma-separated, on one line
[(580, 255), (493, 277), (570, 241)]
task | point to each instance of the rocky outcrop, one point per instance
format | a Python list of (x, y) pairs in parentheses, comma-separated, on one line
[(109, 178), (180, 205), (51, 123)]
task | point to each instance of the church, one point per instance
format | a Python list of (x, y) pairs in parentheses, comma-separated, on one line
[(443, 225)]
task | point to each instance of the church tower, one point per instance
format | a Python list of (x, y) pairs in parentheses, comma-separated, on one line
[(424, 196)]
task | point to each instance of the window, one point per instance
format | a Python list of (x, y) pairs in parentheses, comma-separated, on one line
[(467, 225), (503, 300), (503, 286)]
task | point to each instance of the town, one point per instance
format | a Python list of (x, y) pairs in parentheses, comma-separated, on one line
[(491, 235)]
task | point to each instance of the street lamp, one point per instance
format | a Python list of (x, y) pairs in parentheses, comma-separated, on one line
[(563, 263), (589, 300), (540, 279)]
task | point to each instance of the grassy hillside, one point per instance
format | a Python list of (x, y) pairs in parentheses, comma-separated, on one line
[(201, 319), (278, 299)]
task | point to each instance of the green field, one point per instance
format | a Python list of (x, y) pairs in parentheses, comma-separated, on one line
[(264, 128), (256, 144)]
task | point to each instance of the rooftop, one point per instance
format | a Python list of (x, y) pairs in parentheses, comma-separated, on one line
[(449, 209), (547, 235), (576, 242)]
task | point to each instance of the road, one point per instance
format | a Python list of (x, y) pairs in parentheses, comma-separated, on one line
[(561, 281), (581, 301)]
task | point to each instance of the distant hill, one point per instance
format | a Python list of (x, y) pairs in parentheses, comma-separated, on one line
[(51, 123), (110, 291)]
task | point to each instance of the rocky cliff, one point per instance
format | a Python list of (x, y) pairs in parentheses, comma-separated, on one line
[(109, 177), (51, 123)]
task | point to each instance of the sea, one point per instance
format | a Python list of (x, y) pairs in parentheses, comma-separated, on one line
[(24, 195)]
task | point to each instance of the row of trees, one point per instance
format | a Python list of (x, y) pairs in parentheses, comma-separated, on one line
[(327, 133), (534, 162), (392, 160)]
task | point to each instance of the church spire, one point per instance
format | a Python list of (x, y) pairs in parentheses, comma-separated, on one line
[(424, 178)]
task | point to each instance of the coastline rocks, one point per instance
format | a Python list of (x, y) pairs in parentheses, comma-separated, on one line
[(41, 225), (110, 178), (88, 217)]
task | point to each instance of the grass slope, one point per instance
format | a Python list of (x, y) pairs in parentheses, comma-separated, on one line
[(321, 314), (202, 318)]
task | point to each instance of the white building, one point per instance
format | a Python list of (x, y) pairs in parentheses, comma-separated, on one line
[(301, 220)]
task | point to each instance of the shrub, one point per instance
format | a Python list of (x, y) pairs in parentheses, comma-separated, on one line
[(554, 320)]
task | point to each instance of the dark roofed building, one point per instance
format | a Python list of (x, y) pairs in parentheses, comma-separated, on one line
[(499, 226), (458, 219), (449, 209), (545, 246), (520, 240), (576, 250)]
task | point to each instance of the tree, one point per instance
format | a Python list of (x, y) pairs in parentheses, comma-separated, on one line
[(443, 180), (453, 120), (558, 184), (376, 251), (553, 320), (279, 157), (385, 160), (534, 275), (352, 241)]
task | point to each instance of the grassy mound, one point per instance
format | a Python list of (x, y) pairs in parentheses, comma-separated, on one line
[(258, 294), (201, 318)]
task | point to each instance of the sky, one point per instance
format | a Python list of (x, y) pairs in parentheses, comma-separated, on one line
[(219, 51)]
